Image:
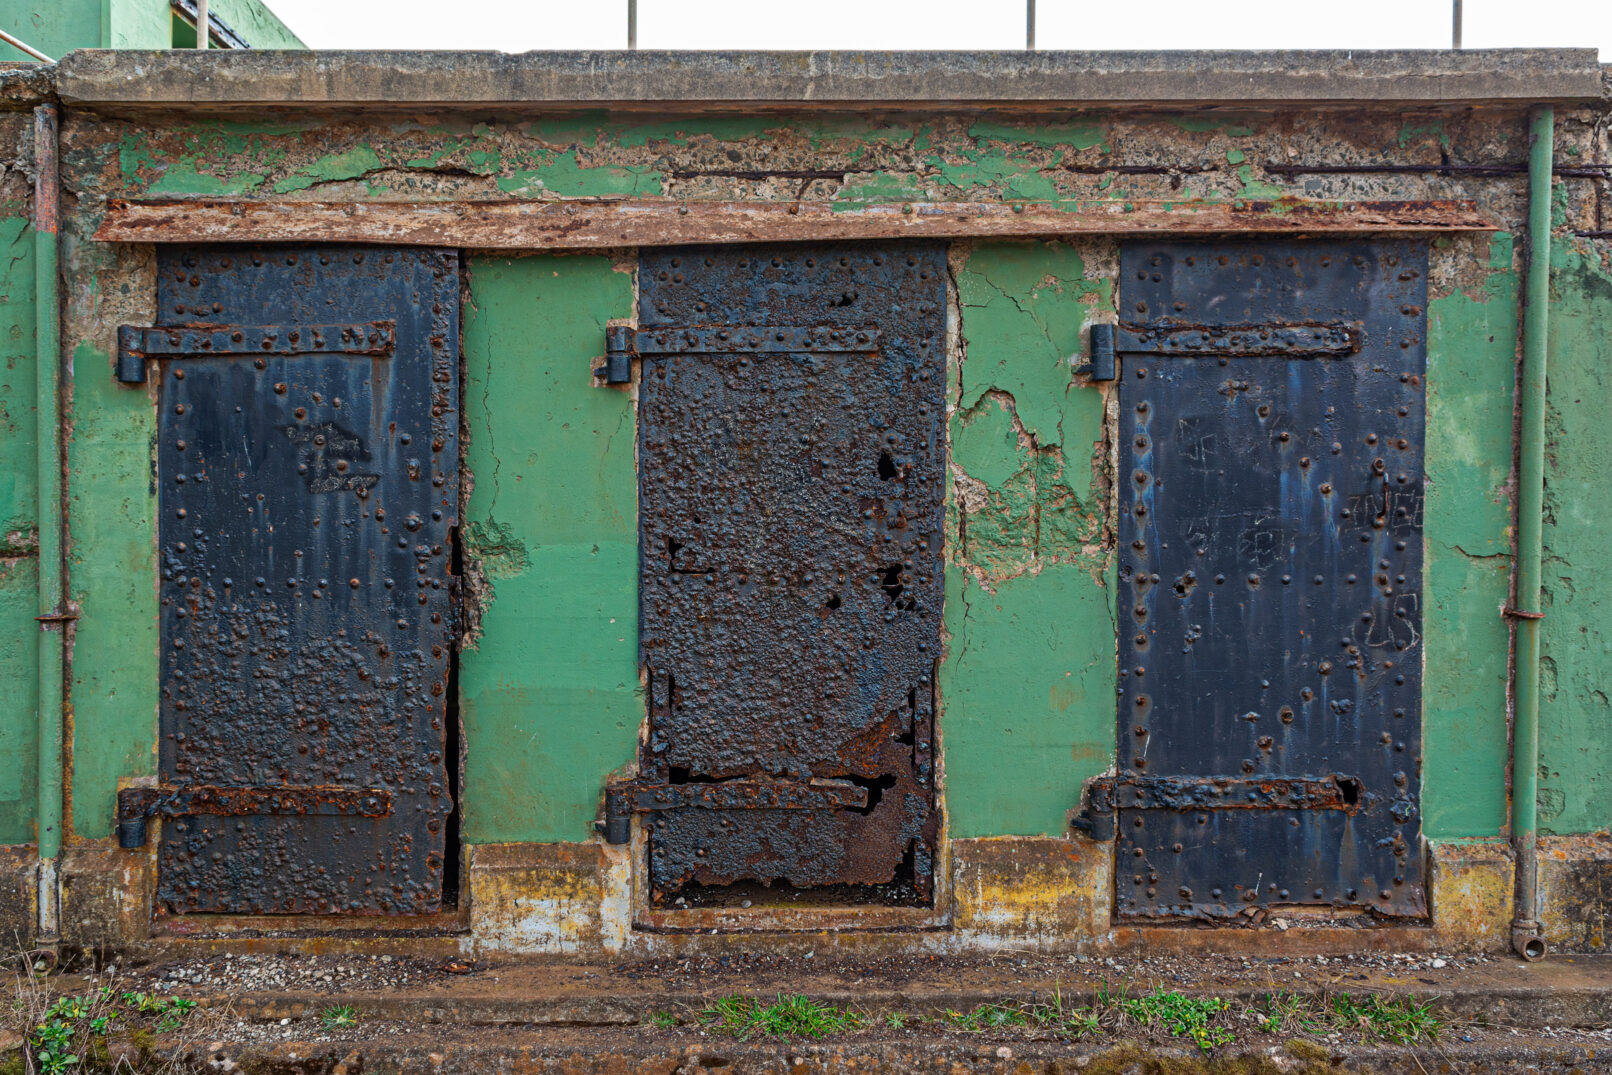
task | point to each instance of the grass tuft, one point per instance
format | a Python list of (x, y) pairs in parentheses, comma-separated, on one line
[(790, 1016)]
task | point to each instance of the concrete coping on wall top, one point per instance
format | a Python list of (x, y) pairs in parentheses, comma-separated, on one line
[(755, 81)]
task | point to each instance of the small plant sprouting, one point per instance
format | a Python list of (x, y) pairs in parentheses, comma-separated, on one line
[(339, 1018), (662, 1020)]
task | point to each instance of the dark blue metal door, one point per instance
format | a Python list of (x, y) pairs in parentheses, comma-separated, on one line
[(307, 466), (1271, 417)]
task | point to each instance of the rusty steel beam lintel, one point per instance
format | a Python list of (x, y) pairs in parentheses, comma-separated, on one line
[(136, 343), (584, 224), (1319, 338), (624, 800)]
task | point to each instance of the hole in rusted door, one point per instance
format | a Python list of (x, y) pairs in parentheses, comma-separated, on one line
[(308, 493), (790, 583)]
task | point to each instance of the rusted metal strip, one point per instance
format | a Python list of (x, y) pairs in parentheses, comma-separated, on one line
[(592, 224), (624, 800), (1329, 338), (136, 343), (728, 339), (623, 343), (1228, 793), (366, 338), (254, 801)]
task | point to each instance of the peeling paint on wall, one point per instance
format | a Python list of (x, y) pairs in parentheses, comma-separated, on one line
[(549, 693), (1471, 374), (1575, 713), (1027, 688)]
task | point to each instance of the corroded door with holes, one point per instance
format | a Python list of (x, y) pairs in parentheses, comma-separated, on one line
[(791, 473), (1271, 416), (307, 461)]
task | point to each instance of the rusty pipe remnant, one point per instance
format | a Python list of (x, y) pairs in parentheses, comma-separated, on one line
[(50, 511), (1526, 930)]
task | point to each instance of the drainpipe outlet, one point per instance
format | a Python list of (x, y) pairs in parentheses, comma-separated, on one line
[(1526, 941)]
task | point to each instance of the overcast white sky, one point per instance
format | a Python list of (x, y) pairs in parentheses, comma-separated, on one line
[(519, 25)]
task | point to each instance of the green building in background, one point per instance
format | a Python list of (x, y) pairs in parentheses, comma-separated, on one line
[(57, 27)]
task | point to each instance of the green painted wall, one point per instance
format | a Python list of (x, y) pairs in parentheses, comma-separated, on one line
[(549, 694), (1471, 376), (1027, 687), (111, 518), (19, 565), (56, 27), (261, 27), (1575, 749)]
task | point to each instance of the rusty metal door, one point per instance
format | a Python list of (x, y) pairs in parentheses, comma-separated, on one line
[(790, 483), (307, 464), (1271, 417)]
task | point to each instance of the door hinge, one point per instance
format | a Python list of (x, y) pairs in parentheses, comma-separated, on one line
[(136, 343), (136, 806), (1103, 365), (1106, 795), (624, 800), (623, 343)]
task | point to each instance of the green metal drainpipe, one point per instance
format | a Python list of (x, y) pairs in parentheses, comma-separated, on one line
[(1525, 926), (53, 615)]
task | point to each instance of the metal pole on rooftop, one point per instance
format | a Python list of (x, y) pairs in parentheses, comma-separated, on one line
[(1029, 24), (1455, 25), (203, 29), (632, 24)]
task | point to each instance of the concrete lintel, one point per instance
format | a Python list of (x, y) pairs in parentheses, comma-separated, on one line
[(754, 81)]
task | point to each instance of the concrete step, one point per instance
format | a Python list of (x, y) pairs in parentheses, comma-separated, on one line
[(1558, 992), (402, 1049)]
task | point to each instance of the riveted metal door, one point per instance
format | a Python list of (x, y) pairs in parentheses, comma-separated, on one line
[(307, 463), (791, 459), (1271, 417)]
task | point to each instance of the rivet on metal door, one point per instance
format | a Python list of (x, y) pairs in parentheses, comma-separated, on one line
[(791, 474), (1271, 417), (307, 467)]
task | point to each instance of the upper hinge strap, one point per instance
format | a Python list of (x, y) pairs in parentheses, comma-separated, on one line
[(136, 343), (246, 801), (623, 343), (1306, 339)]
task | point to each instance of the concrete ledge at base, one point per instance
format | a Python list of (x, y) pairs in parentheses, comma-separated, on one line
[(549, 898), (806, 80), (18, 896), (106, 897), (1575, 878)]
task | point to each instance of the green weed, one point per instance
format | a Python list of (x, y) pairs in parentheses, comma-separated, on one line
[(339, 1018), (791, 1016), (662, 1020), (1181, 1016), (68, 1033), (988, 1017), (1399, 1020)]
